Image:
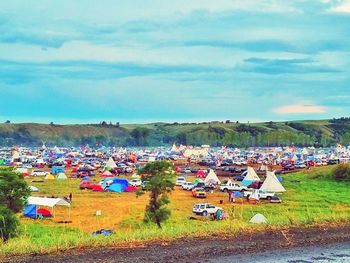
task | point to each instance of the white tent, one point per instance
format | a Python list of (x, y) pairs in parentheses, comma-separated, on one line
[(211, 177), (33, 189), (258, 219), (49, 202), (45, 201), (110, 163), (251, 175), (61, 176), (271, 184)]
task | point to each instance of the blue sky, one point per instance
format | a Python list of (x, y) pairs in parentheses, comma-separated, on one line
[(143, 61)]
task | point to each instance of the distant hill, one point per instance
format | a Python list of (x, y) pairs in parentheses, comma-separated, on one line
[(300, 133)]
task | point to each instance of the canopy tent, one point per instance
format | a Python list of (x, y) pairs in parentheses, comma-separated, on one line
[(211, 177), (33, 202), (250, 177), (201, 174), (272, 184)]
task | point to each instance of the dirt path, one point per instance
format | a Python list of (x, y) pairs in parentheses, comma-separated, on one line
[(203, 249)]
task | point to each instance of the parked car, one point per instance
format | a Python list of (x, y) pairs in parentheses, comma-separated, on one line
[(261, 194), (255, 185), (199, 193), (230, 186), (239, 177), (205, 209), (180, 181), (187, 186), (38, 173), (86, 185), (135, 182), (275, 200)]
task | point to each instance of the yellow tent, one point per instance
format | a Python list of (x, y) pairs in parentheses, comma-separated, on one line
[(50, 177)]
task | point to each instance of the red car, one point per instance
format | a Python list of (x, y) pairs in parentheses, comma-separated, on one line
[(86, 185)]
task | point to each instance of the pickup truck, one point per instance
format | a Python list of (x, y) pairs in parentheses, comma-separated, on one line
[(261, 194), (205, 209), (232, 187)]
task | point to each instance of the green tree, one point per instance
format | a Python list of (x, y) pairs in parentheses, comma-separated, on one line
[(8, 223), (160, 176), (14, 191), (140, 134)]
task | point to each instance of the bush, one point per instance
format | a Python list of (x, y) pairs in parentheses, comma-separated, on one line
[(342, 172), (8, 223)]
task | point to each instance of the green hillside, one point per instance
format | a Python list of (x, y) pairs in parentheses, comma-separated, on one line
[(300, 133)]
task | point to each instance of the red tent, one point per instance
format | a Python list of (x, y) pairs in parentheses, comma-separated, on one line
[(130, 189), (44, 212), (201, 174), (97, 188), (178, 169)]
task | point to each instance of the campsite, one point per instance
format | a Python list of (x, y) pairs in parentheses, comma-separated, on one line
[(72, 213)]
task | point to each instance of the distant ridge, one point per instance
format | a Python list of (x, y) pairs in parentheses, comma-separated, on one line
[(215, 133)]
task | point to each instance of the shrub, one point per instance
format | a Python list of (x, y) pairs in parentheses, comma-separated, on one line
[(342, 172), (8, 223)]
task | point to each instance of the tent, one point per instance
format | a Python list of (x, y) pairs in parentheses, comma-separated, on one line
[(130, 188), (97, 188), (44, 201), (33, 189), (49, 177), (272, 184), (118, 185), (107, 174), (61, 176), (30, 211), (258, 219), (201, 174), (250, 177), (86, 178), (211, 177), (110, 164)]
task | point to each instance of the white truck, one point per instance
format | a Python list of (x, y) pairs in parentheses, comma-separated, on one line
[(259, 193), (205, 209), (230, 186)]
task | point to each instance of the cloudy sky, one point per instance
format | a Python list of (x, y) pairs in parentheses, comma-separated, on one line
[(154, 60)]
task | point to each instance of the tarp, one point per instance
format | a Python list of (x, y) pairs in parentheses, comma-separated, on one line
[(46, 201), (97, 188), (30, 211)]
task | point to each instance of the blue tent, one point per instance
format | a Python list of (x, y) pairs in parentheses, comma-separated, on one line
[(86, 178), (30, 211), (117, 185)]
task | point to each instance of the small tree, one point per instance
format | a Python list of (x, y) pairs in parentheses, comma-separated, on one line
[(160, 176), (8, 223), (342, 172), (14, 191)]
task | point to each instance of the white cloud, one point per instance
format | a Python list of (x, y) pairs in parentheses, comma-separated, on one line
[(344, 7), (299, 109)]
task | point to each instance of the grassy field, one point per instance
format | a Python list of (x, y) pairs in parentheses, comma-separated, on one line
[(312, 197)]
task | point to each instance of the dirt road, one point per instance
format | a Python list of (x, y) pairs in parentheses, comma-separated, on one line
[(204, 249)]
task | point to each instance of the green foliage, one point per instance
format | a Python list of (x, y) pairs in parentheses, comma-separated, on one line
[(160, 176), (140, 134), (342, 172), (8, 223), (14, 191)]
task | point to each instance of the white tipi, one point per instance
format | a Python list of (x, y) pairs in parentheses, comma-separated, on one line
[(271, 183), (211, 177)]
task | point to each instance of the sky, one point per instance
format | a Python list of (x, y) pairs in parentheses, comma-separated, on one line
[(142, 61)]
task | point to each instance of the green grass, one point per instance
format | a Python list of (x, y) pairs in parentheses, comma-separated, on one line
[(312, 197)]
